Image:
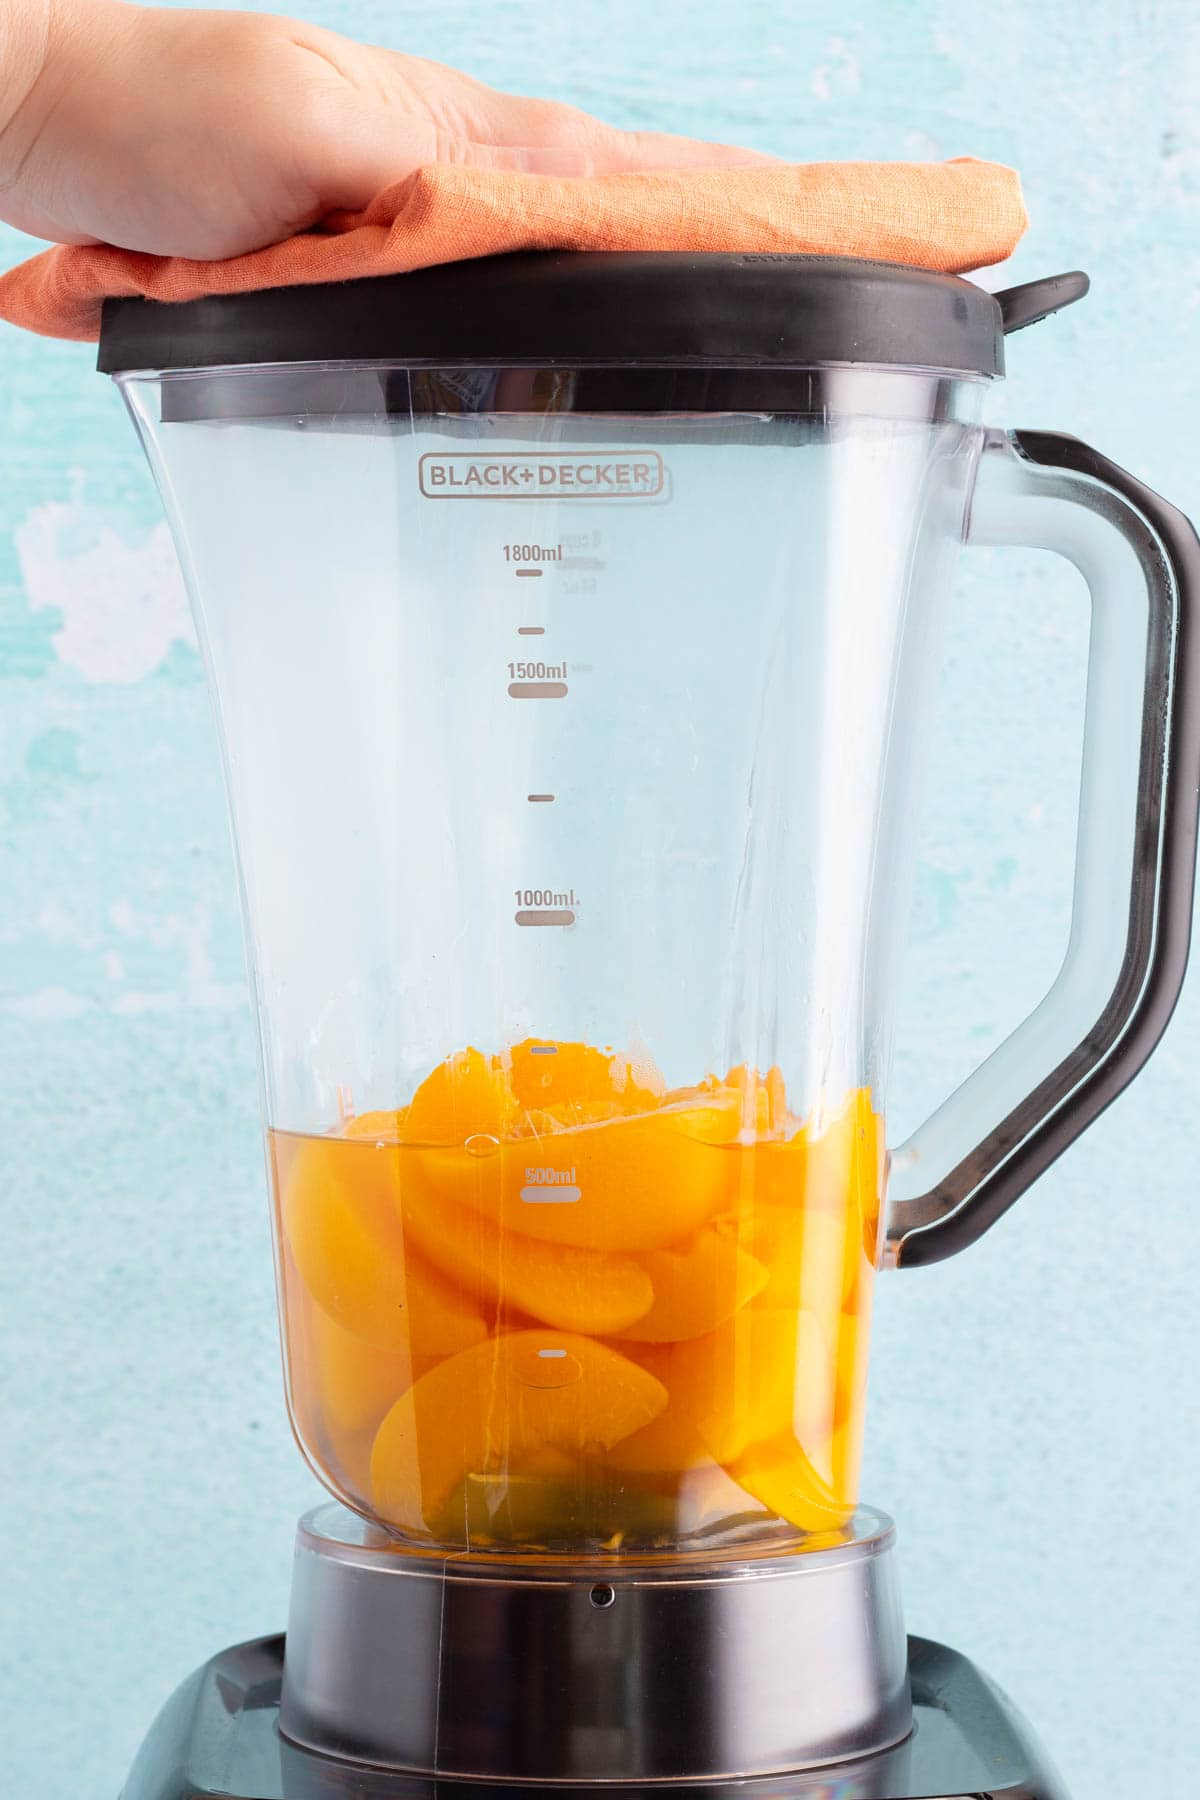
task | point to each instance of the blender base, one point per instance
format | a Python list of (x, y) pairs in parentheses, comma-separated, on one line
[(218, 1738), (510, 1677), (537, 1668)]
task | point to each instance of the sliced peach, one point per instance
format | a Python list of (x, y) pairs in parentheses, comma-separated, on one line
[(811, 1255), (828, 1162), (548, 1075), (338, 1204), (668, 1445), (762, 1373), (764, 1110), (337, 1449), (467, 1095), (443, 1319), (477, 1411), (671, 1443), (846, 1458), (643, 1182), (709, 1500), (779, 1474), (697, 1285), (846, 1163), (578, 1290), (851, 1349), (381, 1127), (632, 1184), (355, 1382)]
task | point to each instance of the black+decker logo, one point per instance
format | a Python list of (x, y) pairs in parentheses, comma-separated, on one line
[(552, 474)]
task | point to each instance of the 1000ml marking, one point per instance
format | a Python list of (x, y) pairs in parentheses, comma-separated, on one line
[(544, 897)]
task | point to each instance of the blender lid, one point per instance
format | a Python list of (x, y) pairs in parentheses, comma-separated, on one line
[(670, 309)]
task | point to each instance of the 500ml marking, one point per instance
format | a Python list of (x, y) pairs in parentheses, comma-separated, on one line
[(550, 1187), (533, 553)]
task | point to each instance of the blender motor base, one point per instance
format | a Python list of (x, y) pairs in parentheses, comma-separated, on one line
[(218, 1738)]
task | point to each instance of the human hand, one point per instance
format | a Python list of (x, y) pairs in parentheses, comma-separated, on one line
[(207, 134)]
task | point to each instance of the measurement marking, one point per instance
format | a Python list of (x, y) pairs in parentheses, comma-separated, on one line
[(528, 574), (551, 1196), (542, 797), (543, 1049), (552, 1353), (584, 562), (546, 916), (531, 631), (537, 690), (532, 553)]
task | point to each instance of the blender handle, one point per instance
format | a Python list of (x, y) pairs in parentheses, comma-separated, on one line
[(1136, 842)]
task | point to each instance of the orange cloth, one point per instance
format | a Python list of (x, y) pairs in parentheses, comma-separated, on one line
[(953, 216)]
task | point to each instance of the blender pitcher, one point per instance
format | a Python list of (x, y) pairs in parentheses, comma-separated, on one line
[(572, 622)]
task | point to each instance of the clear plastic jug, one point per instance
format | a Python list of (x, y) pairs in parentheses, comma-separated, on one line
[(571, 695)]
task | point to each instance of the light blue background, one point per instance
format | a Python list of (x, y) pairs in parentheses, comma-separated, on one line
[(1034, 1421)]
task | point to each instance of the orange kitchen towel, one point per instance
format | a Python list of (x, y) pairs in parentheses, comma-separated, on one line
[(955, 215)]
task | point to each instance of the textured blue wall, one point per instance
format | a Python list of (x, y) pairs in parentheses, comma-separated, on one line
[(1034, 1420)]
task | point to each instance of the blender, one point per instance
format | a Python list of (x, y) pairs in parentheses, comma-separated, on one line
[(572, 623)]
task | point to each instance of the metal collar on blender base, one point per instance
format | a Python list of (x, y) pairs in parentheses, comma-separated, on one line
[(610, 1670)]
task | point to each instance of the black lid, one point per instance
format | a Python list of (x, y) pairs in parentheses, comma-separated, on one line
[(673, 309)]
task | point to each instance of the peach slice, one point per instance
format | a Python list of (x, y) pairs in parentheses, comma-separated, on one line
[(671, 1443), (577, 1290), (381, 1127), (823, 1164), (632, 1184), (845, 1455), (811, 1255), (763, 1104), (575, 1077), (697, 1285), (763, 1373), (779, 1474), (667, 1446), (847, 1166), (851, 1355), (340, 1220), (493, 1404), (467, 1095), (324, 1413), (355, 1382), (472, 1094), (644, 1182)]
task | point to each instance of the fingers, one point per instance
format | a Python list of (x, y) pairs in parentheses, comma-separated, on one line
[(489, 128), (373, 151), (374, 116), (625, 153)]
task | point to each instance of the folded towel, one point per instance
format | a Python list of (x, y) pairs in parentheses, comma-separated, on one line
[(952, 216)]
